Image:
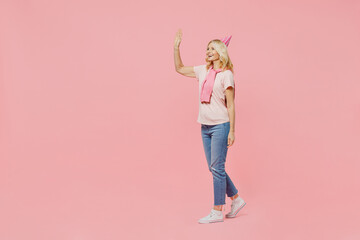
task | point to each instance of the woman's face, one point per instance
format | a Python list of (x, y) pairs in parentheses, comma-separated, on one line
[(211, 53)]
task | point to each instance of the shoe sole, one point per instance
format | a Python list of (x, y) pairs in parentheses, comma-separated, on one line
[(213, 221), (234, 215)]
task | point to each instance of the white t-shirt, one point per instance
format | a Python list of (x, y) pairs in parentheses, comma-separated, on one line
[(214, 112)]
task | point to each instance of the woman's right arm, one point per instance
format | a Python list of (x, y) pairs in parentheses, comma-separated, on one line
[(179, 66)]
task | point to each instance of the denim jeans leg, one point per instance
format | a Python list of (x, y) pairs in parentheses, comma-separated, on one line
[(206, 137), (230, 187), (215, 146), (218, 149)]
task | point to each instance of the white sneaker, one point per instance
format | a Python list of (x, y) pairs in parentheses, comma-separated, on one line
[(214, 216), (236, 205)]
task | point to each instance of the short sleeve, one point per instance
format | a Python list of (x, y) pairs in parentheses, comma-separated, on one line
[(229, 80), (197, 70)]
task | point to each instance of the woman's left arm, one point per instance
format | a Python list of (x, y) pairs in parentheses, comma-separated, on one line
[(229, 93)]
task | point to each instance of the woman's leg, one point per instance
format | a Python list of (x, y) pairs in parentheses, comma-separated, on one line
[(215, 146), (206, 138), (231, 190), (207, 132), (218, 157)]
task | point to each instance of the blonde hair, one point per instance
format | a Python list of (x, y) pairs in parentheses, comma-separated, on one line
[(221, 49)]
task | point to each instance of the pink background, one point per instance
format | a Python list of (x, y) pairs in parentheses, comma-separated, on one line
[(98, 133)]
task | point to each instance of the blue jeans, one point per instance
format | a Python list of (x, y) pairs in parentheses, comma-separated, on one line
[(215, 138)]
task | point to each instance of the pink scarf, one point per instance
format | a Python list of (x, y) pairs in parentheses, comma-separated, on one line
[(207, 86)]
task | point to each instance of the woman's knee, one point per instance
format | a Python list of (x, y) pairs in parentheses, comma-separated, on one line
[(218, 169)]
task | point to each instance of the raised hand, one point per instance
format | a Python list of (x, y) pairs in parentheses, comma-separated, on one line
[(178, 38)]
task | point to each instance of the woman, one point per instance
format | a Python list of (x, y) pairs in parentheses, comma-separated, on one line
[(217, 119)]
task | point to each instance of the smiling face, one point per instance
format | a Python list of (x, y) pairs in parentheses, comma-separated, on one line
[(211, 53)]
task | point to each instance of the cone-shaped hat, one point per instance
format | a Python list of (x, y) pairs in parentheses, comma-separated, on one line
[(226, 40)]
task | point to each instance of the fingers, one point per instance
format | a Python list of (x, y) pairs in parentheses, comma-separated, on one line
[(179, 33), (230, 142), (178, 36)]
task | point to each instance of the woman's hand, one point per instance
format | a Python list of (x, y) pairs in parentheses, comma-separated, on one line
[(178, 38), (231, 139)]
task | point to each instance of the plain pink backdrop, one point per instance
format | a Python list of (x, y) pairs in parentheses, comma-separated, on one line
[(98, 132)]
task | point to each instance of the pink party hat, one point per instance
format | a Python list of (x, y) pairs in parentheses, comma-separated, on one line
[(226, 40)]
